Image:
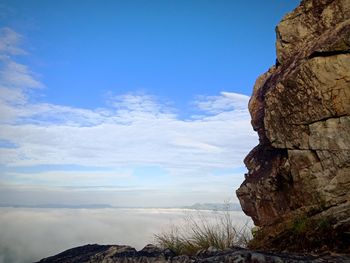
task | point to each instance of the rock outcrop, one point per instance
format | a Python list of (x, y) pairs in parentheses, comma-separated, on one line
[(301, 110), (153, 254)]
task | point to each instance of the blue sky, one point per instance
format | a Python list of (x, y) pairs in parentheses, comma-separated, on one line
[(129, 102)]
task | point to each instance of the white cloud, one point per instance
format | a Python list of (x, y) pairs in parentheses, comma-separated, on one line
[(132, 130), (16, 75), (145, 139), (138, 103), (9, 41), (72, 178), (226, 101), (16, 80)]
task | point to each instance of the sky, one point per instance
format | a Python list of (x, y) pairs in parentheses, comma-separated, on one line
[(129, 103)]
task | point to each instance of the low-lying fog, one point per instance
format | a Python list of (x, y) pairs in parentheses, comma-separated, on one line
[(29, 234)]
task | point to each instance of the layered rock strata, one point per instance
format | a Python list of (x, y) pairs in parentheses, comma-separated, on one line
[(300, 109)]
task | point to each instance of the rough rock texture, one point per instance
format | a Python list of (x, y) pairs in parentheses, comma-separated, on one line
[(151, 253), (301, 111)]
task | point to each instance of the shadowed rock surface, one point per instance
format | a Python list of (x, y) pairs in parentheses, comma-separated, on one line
[(150, 253), (299, 174)]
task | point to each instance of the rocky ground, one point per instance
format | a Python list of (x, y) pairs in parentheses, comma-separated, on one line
[(150, 253)]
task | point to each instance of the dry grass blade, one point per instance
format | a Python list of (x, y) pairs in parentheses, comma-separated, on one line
[(199, 233)]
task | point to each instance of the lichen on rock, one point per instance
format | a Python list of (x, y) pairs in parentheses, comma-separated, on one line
[(301, 111)]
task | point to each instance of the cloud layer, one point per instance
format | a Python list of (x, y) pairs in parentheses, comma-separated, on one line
[(27, 235)]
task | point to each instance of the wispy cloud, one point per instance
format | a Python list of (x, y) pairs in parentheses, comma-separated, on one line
[(9, 42), (72, 178), (226, 101), (51, 134), (132, 130), (15, 75)]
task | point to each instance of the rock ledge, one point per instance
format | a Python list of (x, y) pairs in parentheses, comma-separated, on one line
[(150, 253)]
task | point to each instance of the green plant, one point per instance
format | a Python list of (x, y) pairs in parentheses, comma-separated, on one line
[(198, 233), (300, 225), (171, 240)]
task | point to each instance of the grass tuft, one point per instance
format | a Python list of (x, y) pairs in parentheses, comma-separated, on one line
[(199, 233)]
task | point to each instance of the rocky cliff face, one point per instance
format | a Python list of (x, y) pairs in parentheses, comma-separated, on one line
[(301, 111)]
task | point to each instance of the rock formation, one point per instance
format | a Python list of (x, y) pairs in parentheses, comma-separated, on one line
[(150, 254), (300, 109)]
